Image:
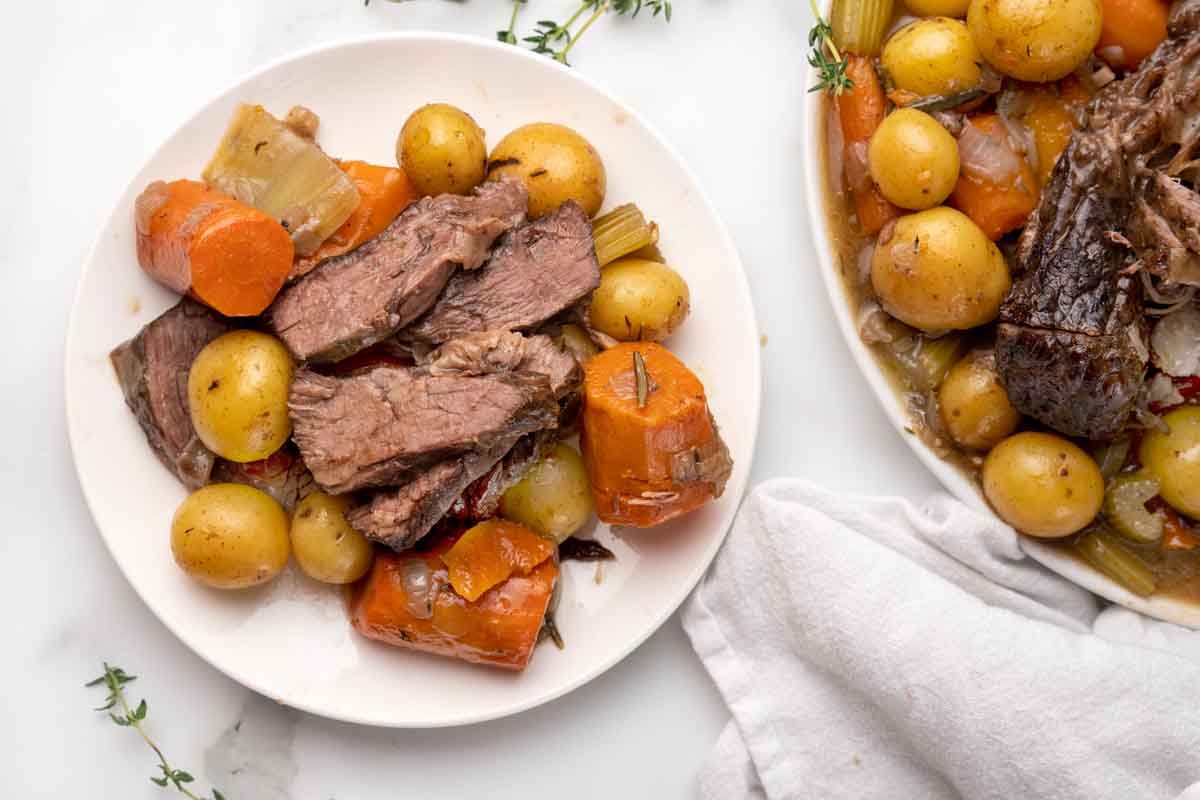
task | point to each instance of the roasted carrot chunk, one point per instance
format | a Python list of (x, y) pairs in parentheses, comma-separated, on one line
[(490, 553), (860, 110), (996, 207)]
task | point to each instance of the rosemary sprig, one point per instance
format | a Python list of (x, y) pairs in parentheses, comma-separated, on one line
[(556, 40), (825, 57), (115, 679), (642, 378)]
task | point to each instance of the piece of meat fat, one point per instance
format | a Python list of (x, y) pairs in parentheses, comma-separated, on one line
[(363, 297)]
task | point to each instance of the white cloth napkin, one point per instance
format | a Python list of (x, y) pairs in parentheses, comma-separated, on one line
[(868, 648)]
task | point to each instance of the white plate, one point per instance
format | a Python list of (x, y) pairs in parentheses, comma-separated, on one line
[(951, 477), (291, 640)]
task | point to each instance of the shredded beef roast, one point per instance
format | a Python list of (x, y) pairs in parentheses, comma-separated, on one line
[(355, 300), (152, 369), (537, 271), (1071, 344)]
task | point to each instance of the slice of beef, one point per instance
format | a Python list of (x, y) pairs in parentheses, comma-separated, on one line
[(376, 428), (507, 351), (152, 369), (1071, 341), (537, 271), (355, 300), (281, 475)]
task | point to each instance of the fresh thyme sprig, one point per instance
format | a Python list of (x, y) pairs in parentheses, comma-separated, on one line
[(825, 57), (556, 40), (115, 679)]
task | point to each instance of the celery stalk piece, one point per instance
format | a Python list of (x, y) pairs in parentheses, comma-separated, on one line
[(1104, 552), (859, 25), (265, 163), (1125, 500), (622, 231)]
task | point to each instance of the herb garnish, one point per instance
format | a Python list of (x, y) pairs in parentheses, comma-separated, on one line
[(643, 380), (824, 56), (114, 679), (556, 40)]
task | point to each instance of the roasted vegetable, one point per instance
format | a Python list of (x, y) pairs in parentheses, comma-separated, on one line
[(230, 536), (442, 149), (860, 110), (938, 8), (974, 407), (937, 271), (1042, 484), (490, 553), (237, 392), (555, 163), (650, 445), (622, 231), (1173, 457), (1035, 40), (996, 188), (578, 342), (859, 25), (1051, 118), (913, 160), (1130, 30), (407, 601), (1125, 500), (194, 240), (1104, 552), (326, 547), (265, 163), (554, 497), (383, 193), (639, 300), (927, 365), (933, 56)]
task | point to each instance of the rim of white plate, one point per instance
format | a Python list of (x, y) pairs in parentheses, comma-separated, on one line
[(737, 491), (952, 478)]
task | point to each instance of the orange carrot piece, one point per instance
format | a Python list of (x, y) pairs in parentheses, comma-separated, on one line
[(383, 193), (1130, 30), (1052, 119), (490, 553), (651, 463), (996, 208), (860, 111), (193, 239), (500, 628), (1177, 534)]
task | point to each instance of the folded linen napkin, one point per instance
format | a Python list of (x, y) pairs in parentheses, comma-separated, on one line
[(868, 648)]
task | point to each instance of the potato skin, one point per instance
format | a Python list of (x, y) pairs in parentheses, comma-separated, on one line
[(442, 149), (937, 271), (973, 404), (237, 393), (230, 536), (639, 300), (913, 159), (1174, 459), (1042, 484), (554, 498), (1035, 40), (555, 163), (326, 547), (932, 56)]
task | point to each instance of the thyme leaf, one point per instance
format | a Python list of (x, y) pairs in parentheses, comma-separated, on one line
[(824, 56)]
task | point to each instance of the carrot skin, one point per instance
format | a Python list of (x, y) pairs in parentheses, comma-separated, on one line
[(1137, 27), (860, 110), (995, 208)]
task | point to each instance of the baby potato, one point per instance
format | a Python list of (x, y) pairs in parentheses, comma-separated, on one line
[(938, 272), (932, 56), (913, 159), (442, 149), (237, 393), (973, 405), (639, 300), (230, 536), (1042, 484), (326, 547), (1035, 40), (1174, 459), (555, 163), (554, 498), (938, 8)]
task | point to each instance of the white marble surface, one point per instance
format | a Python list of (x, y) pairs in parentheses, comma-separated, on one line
[(88, 91)]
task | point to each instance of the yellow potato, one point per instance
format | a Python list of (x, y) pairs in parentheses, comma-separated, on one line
[(1174, 459), (554, 498), (974, 406), (933, 56), (1035, 40), (237, 393), (1042, 484), (555, 163), (938, 8), (442, 149), (938, 272), (913, 159), (326, 547), (639, 300), (230, 536)]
